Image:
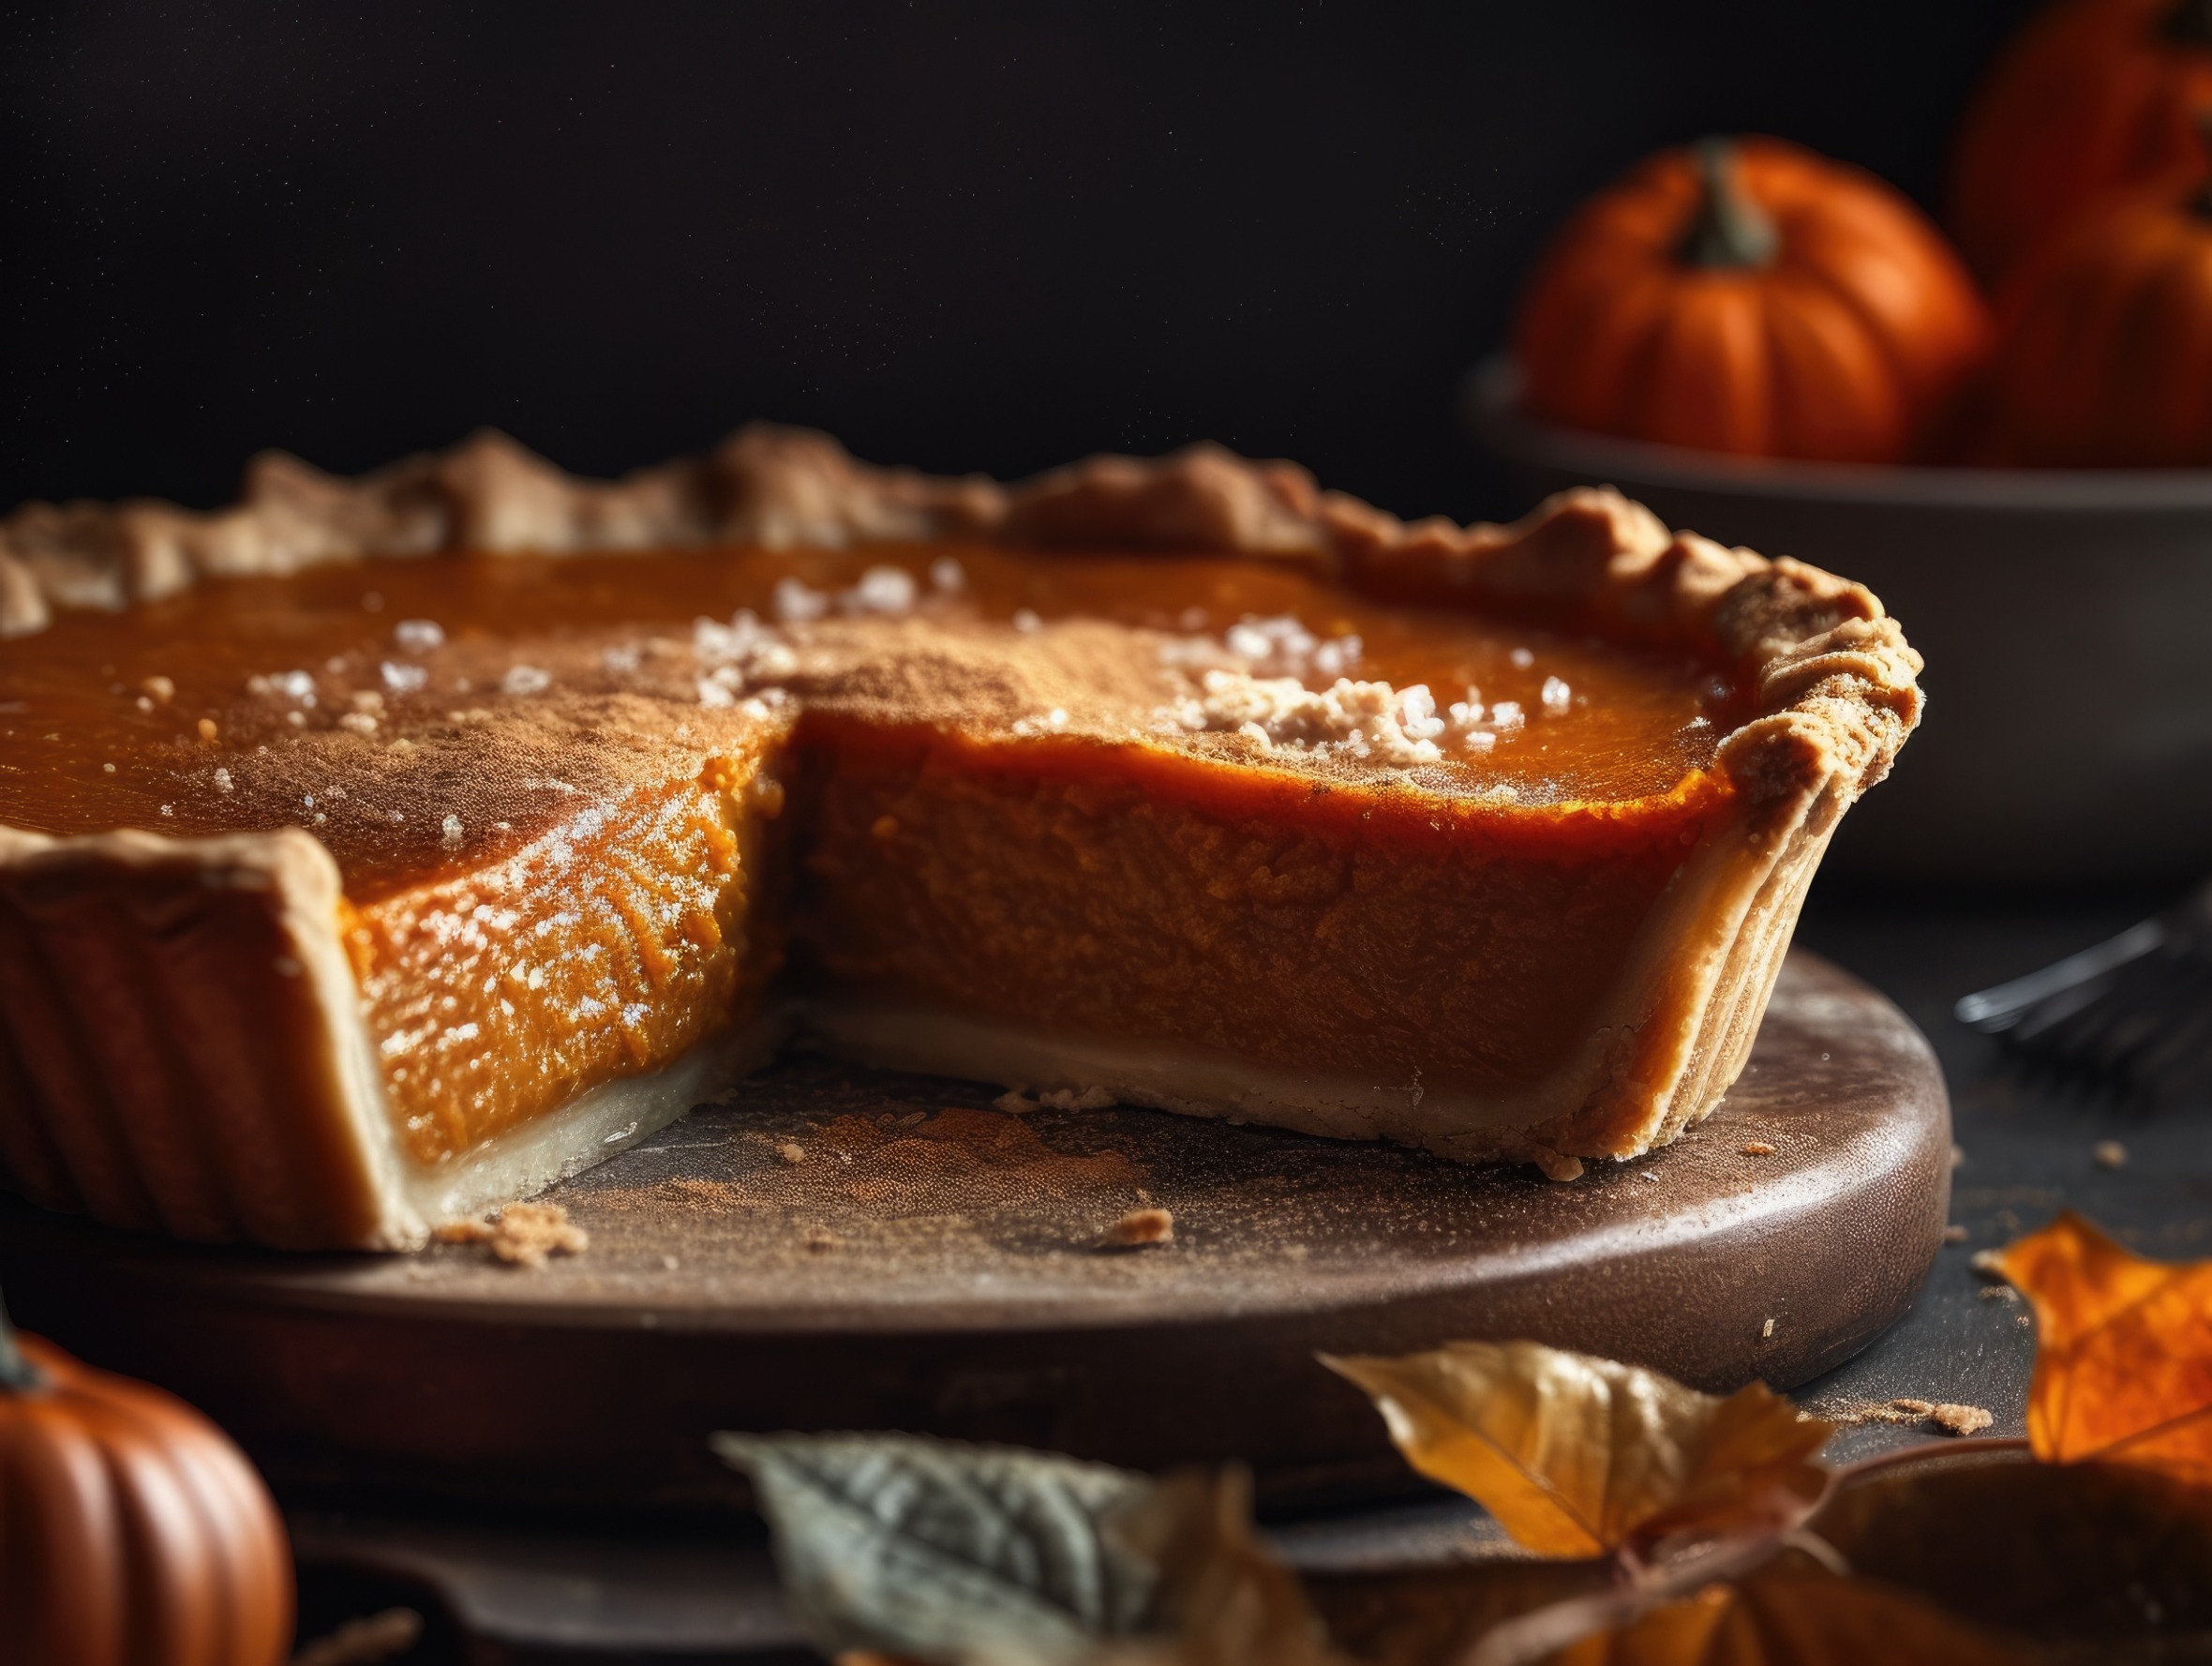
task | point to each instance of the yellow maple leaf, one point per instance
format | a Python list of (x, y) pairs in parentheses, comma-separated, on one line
[(1791, 1617), (1575, 1456), (2122, 1352)]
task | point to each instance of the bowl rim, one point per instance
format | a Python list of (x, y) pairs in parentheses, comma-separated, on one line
[(1489, 400)]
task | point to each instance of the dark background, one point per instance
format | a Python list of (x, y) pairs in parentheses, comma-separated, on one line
[(961, 237)]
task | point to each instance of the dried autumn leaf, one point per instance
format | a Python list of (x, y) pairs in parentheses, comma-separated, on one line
[(1227, 1601), (897, 1549), (1789, 1616), (912, 1547), (1575, 1456), (2102, 1556), (1430, 1615), (2122, 1352)]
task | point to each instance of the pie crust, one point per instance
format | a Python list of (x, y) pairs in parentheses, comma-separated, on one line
[(182, 1041)]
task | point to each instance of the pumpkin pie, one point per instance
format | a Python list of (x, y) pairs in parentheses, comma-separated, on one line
[(374, 851)]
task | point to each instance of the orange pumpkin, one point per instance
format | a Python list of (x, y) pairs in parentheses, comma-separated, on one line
[(2093, 97), (132, 1532), (2106, 354), (1752, 297)]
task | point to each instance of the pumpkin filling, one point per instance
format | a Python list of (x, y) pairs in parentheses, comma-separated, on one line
[(586, 809)]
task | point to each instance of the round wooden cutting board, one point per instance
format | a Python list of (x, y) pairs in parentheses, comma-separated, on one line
[(838, 1248)]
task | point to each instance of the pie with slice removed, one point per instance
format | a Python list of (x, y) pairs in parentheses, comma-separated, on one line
[(376, 851)]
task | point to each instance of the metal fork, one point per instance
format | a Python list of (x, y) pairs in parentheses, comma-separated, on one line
[(2135, 1010)]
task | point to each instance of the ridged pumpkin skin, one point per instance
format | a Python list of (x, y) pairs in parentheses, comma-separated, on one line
[(1846, 335), (2092, 99), (2106, 355), (132, 1532)]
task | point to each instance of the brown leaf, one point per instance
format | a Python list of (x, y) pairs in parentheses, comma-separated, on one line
[(1575, 1456), (2122, 1352), (2096, 1553), (1429, 1615), (1228, 1601), (1792, 1617)]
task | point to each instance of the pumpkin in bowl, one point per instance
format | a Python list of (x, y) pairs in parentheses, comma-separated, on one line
[(2091, 100), (132, 1532), (1750, 296), (2105, 359)]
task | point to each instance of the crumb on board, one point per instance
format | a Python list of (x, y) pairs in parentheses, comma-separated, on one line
[(1557, 1165), (1954, 1234), (1997, 1293), (521, 1235), (1758, 1148), (1958, 1156), (1015, 1102), (1139, 1228), (1767, 1329), (1893, 1411), (1950, 1418), (2109, 1154), (1961, 1420), (791, 1151), (1990, 1264), (1067, 1098)]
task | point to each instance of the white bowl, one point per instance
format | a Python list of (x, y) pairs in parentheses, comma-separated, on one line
[(2066, 615)]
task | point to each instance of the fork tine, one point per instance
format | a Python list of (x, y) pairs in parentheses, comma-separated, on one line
[(2135, 1010), (2172, 1053), (2002, 1007), (2120, 1019)]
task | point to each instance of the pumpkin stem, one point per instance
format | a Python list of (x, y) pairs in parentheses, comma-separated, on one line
[(1730, 229), (2188, 23), (17, 1374)]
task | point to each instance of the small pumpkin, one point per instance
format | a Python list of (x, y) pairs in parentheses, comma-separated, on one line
[(2092, 99), (2105, 359), (1750, 296), (132, 1532)]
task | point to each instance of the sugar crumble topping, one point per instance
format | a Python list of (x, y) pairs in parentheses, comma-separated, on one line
[(1366, 720), (1257, 681), (1283, 647), (880, 591), (296, 687), (1260, 686), (796, 603)]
